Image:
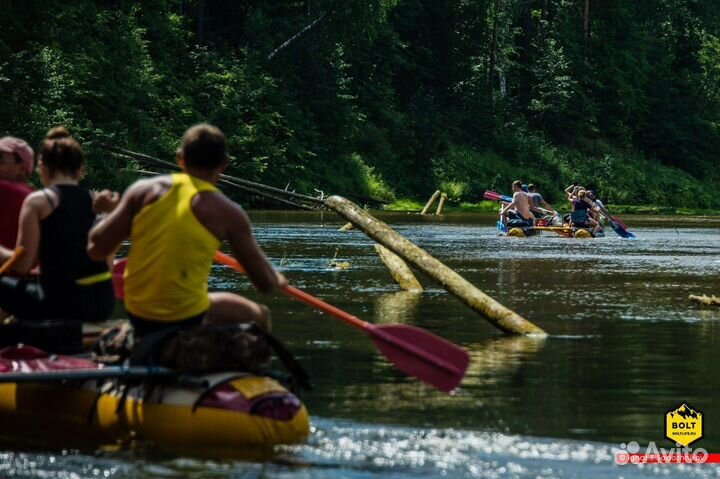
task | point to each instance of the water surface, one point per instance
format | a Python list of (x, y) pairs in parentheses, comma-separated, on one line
[(625, 346)]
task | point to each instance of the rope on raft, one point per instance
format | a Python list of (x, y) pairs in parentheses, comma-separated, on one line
[(260, 189)]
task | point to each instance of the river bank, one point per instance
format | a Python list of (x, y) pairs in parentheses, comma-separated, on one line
[(410, 205)]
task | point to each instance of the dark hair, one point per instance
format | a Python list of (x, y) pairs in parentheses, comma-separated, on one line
[(204, 146), (60, 152), (532, 187)]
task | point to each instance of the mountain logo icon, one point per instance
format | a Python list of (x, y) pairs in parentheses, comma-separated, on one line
[(684, 424)]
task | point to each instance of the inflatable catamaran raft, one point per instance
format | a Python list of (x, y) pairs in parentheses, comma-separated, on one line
[(48, 396)]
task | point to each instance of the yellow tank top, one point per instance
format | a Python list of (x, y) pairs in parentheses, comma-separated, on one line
[(170, 257)]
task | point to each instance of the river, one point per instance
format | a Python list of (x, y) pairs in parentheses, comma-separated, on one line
[(625, 346)]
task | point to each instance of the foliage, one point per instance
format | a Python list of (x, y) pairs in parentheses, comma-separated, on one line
[(405, 205), (384, 98)]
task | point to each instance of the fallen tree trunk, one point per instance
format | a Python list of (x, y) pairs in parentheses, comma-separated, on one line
[(398, 269), (498, 315)]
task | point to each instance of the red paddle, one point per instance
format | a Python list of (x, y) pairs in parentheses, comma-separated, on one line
[(414, 351), (494, 196), (491, 195)]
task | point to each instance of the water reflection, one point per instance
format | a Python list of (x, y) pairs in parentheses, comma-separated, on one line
[(399, 307), (500, 357)]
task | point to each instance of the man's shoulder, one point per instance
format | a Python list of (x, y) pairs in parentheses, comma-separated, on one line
[(155, 180), (215, 202), (145, 185)]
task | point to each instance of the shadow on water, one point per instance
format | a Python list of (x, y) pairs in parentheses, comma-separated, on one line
[(625, 346)]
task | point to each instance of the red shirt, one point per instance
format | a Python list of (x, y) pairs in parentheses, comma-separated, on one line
[(12, 195)]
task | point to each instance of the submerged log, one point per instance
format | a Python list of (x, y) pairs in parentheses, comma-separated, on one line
[(441, 204), (398, 269), (430, 202), (499, 316), (705, 299)]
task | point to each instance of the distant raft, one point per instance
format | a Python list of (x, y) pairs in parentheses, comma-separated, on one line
[(564, 231)]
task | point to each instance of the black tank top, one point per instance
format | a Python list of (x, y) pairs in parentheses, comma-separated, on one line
[(63, 243)]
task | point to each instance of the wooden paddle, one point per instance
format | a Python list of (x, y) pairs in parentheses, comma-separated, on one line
[(414, 351)]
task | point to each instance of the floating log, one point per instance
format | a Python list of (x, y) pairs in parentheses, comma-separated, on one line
[(430, 202), (705, 300), (498, 315), (346, 227), (398, 269), (441, 204)]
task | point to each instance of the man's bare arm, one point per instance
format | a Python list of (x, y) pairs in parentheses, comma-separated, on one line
[(229, 222), (511, 205), (107, 235), (245, 248)]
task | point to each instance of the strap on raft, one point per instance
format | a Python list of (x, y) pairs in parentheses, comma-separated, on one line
[(245, 347)]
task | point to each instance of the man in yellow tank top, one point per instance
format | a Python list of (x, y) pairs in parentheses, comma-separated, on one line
[(176, 223)]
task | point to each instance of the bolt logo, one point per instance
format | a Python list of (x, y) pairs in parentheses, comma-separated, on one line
[(683, 425)]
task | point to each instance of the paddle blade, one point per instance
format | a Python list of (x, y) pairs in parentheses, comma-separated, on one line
[(491, 195), (622, 232), (501, 227), (619, 221), (421, 354), (495, 196)]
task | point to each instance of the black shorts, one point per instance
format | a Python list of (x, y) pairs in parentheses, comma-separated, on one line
[(143, 327), (25, 299)]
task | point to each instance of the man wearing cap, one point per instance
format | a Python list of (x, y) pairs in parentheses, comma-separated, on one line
[(16, 166)]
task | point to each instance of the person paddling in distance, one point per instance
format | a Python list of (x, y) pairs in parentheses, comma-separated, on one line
[(177, 222), (16, 166), (517, 212), (537, 202), (53, 228), (583, 203)]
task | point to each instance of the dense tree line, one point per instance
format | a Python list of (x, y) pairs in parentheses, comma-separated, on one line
[(384, 98)]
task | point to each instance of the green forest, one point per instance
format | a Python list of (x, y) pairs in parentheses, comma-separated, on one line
[(383, 100)]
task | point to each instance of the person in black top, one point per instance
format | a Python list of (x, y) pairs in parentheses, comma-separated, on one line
[(53, 230), (583, 203)]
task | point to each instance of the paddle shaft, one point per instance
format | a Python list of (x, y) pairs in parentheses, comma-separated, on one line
[(301, 295), (7, 265), (393, 339), (325, 307), (376, 331), (131, 372)]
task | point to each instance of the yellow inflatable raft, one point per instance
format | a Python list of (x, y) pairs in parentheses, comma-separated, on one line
[(223, 410)]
